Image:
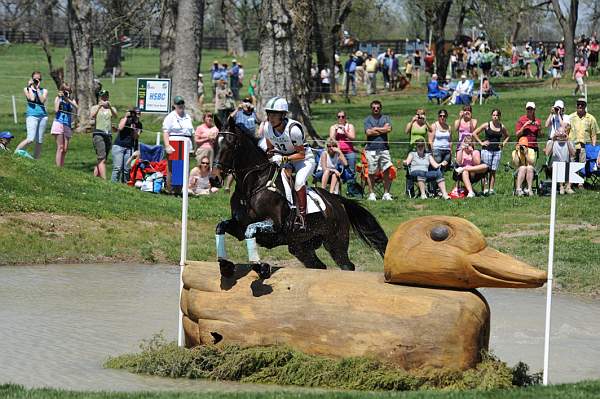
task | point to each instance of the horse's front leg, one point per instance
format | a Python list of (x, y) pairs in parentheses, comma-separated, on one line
[(266, 226), (232, 227)]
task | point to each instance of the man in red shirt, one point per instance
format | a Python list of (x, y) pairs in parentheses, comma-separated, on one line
[(529, 126)]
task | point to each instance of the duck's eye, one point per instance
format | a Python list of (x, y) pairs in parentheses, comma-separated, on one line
[(439, 233)]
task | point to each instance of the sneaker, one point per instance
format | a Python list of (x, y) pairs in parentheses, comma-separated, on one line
[(569, 190), (323, 101), (561, 190), (492, 192), (530, 193), (387, 197), (519, 193), (471, 194), (372, 197), (459, 170), (446, 197), (486, 191), (423, 196)]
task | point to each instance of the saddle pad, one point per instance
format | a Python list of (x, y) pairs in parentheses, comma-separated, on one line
[(314, 202)]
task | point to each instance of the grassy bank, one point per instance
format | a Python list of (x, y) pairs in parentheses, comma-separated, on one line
[(50, 215)]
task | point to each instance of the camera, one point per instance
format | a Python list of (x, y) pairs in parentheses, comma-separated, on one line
[(65, 94), (556, 109), (36, 82), (421, 117)]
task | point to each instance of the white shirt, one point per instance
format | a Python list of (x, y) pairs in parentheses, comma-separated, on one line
[(292, 136), (325, 76), (555, 124), (463, 87), (177, 125)]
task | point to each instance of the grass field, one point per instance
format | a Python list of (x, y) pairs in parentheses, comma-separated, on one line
[(51, 215)]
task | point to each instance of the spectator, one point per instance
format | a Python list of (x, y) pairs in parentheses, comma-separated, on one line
[(5, 138), (496, 137), (579, 72), (205, 138), (350, 69), (360, 69), (200, 91), (130, 128), (385, 69), (470, 167), (529, 126), (440, 139), (559, 149), (485, 89), (472, 61), (556, 66), (540, 60), (419, 162), (371, 70), (344, 133), (594, 49), (523, 158), (234, 79), (436, 90), (377, 151), (65, 107), (465, 125), (463, 91), (557, 118), (417, 128), (36, 115), (199, 182), (429, 60), (177, 123), (102, 115), (215, 74), (408, 68), (584, 129), (560, 51), (417, 64), (326, 85), (223, 101), (241, 75), (252, 87), (331, 164), (246, 118)]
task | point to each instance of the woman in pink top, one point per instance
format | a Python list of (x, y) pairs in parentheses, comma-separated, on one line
[(343, 132), (579, 71), (465, 125), (205, 137), (470, 168)]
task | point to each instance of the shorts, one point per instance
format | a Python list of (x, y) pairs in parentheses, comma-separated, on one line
[(36, 127), (579, 81), (378, 160), (102, 144), (440, 155), (59, 128), (491, 159), (556, 73), (421, 175)]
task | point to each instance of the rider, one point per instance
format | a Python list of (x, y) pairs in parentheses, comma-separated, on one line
[(286, 146)]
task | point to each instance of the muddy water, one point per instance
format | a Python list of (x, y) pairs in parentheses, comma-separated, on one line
[(59, 323)]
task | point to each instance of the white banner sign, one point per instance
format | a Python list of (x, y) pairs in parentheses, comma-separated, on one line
[(154, 95)]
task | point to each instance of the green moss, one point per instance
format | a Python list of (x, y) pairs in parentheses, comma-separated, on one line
[(285, 366)]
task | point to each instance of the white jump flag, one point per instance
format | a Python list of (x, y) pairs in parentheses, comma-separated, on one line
[(561, 172)]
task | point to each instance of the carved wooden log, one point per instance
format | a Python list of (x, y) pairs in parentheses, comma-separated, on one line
[(334, 313)]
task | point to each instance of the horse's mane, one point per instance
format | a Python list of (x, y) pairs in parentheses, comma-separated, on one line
[(248, 142)]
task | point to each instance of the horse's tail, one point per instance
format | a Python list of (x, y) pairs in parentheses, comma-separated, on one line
[(365, 225)]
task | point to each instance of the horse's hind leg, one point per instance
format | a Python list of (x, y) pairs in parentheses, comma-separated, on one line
[(305, 253), (338, 249)]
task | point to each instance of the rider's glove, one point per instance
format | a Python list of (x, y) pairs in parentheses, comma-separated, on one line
[(279, 159)]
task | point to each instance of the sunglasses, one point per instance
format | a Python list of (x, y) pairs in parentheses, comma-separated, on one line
[(442, 116), (341, 116), (375, 108), (204, 163)]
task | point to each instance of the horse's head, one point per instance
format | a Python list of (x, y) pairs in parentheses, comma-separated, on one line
[(235, 148)]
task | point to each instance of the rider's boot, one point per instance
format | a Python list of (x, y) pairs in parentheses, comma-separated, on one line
[(300, 222)]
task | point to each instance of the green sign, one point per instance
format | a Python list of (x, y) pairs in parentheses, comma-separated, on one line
[(154, 95)]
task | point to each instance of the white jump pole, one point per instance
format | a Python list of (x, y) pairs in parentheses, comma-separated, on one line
[(585, 92), (481, 89), (157, 138), (14, 104), (184, 218), (550, 266), (114, 72)]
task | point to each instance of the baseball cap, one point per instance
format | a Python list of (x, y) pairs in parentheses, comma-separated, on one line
[(463, 76), (247, 100), (103, 93), (6, 135), (559, 104), (178, 100), (581, 100), (523, 141), (530, 104), (215, 62), (233, 61)]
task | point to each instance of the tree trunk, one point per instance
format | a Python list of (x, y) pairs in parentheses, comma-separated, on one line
[(568, 24), (461, 20), (168, 20), (187, 53), (46, 15), (285, 56), (337, 314), (82, 51), (233, 28), (518, 23), (438, 37), (112, 60)]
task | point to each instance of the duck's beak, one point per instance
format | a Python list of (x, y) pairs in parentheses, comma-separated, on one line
[(495, 269)]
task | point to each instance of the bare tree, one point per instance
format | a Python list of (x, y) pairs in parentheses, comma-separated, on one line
[(285, 56), (233, 28), (568, 24), (168, 20), (188, 47), (82, 53)]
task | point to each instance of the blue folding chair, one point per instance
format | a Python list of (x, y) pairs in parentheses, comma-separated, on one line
[(591, 171)]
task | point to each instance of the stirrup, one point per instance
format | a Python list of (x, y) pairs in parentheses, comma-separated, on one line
[(299, 223)]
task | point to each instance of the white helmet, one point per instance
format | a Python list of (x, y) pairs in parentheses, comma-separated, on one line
[(277, 104)]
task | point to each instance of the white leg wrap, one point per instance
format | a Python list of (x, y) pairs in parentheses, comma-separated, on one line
[(252, 250), (220, 239)]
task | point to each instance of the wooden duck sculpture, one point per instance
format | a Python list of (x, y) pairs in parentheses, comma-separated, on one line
[(344, 314)]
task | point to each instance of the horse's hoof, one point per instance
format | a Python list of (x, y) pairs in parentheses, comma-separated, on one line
[(227, 268), (263, 270)]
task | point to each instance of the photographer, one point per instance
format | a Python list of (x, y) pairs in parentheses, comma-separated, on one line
[(523, 159), (65, 107), (529, 126), (130, 128), (560, 149), (102, 115), (36, 115), (557, 118), (245, 117)]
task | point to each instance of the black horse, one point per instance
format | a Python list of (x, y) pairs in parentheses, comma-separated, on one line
[(260, 212)]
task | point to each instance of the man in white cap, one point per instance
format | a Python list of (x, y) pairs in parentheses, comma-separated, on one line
[(557, 118), (463, 88), (529, 126)]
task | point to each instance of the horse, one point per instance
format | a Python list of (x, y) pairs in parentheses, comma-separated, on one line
[(260, 212)]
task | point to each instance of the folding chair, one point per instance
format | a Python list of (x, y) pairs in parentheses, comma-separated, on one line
[(362, 169), (591, 171)]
